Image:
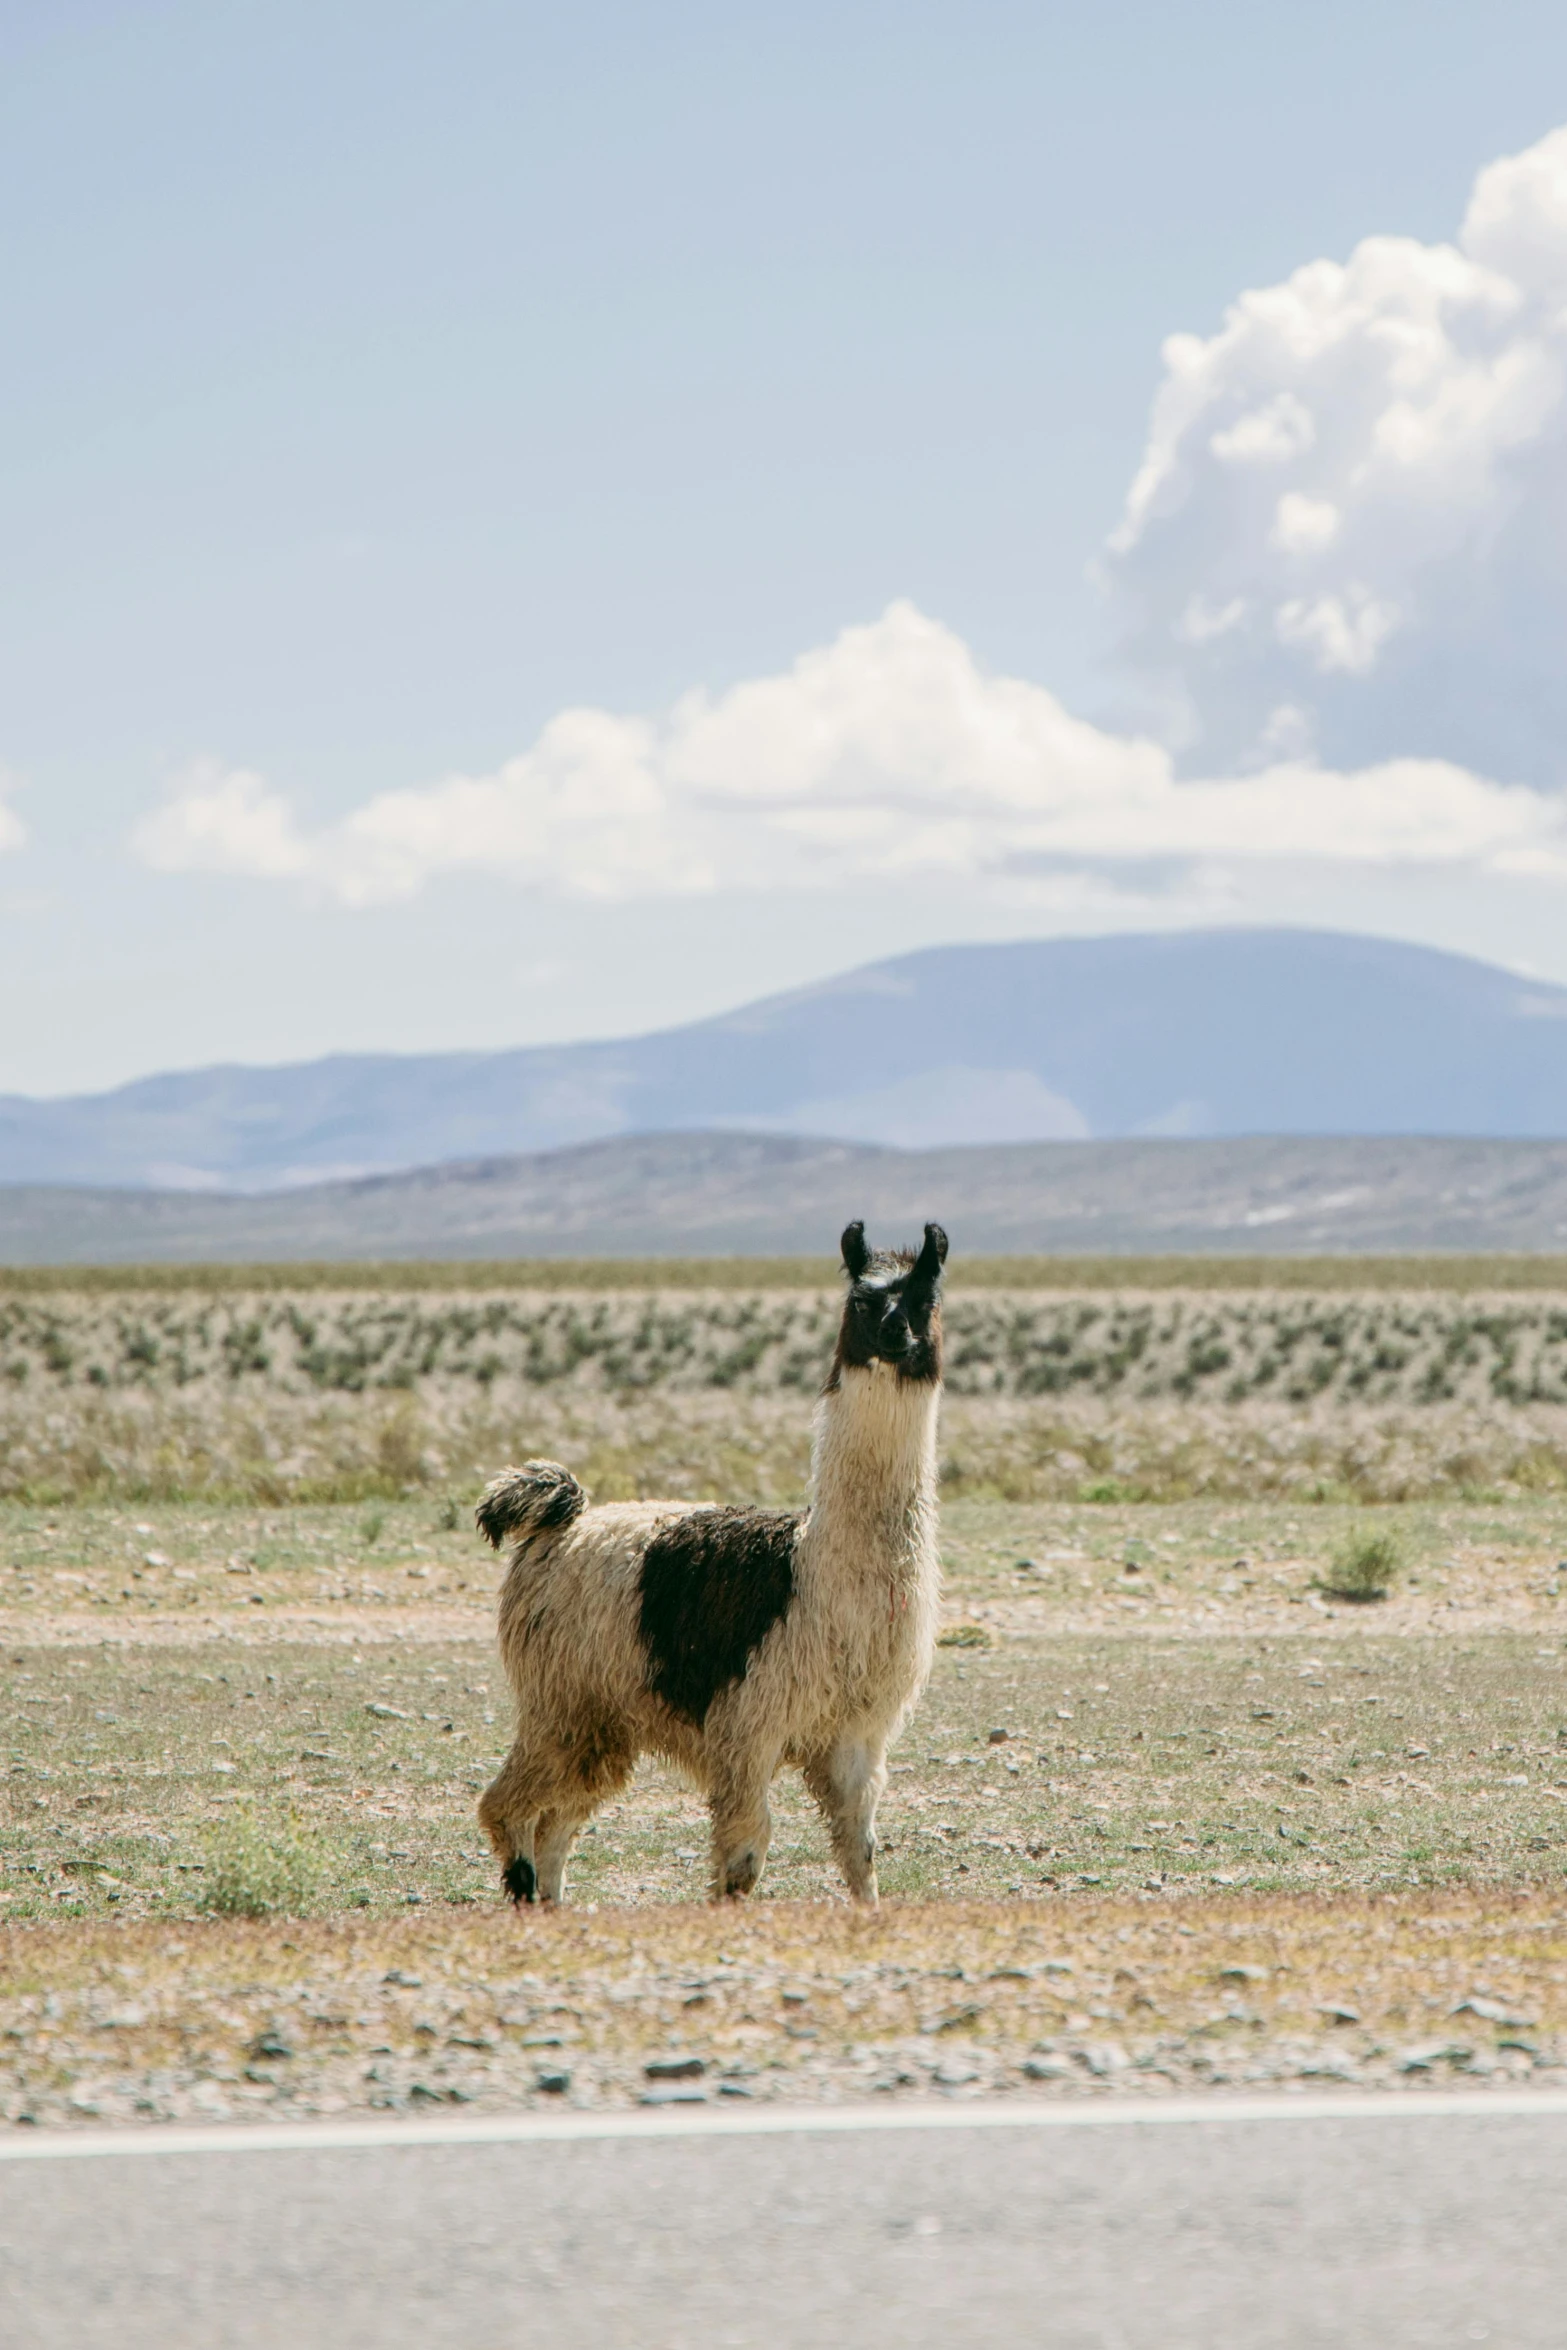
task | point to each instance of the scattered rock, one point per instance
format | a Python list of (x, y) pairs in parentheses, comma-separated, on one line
[(954, 2020), (1492, 2011), (675, 2068), (386, 1713), (1423, 2060)]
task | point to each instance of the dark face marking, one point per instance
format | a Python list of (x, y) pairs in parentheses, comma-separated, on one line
[(893, 1311), (713, 1586)]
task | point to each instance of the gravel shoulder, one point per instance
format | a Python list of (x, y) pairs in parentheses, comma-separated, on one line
[(1088, 1998)]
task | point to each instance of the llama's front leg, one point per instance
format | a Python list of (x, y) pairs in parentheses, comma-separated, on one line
[(742, 1828), (847, 1783)]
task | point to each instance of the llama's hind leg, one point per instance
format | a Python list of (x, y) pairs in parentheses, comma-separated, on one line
[(847, 1783)]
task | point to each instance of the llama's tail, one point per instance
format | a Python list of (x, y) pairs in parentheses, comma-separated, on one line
[(538, 1498)]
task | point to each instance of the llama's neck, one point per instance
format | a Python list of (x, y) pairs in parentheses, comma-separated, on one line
[(873, 1470)]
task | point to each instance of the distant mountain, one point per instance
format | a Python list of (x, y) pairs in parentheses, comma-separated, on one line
[(744, 1195), (1202, 1033)]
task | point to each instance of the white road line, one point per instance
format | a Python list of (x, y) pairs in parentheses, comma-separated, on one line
[(768, 2121)]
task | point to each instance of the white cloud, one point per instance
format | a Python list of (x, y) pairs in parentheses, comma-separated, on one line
[(13, 832), (888, 754), (1304, 526), (1269, 435), (1368, 465), (222, 821), (1339, 632)]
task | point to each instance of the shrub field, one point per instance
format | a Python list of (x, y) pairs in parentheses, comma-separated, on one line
[(316, 1393)]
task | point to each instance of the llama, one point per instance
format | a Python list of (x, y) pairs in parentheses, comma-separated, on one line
[(733, 1641)]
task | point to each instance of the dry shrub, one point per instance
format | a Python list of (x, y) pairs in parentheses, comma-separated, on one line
[(1363, 1566), (259, 1866)]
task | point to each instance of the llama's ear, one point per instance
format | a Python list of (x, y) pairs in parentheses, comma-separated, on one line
[(927, 1265), (856, 1256)]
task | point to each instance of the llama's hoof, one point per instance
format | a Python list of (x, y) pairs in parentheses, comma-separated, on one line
[(740, 1875), (520, 1881)]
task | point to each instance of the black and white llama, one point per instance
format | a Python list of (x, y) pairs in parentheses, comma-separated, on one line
[(733, 1641)]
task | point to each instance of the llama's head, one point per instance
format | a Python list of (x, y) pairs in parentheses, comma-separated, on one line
[(893, 1310)]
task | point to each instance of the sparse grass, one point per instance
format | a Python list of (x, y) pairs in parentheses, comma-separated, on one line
[(1363, 1566), (1351, 1759)]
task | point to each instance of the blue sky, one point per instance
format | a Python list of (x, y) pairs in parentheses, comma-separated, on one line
[(384, 383)]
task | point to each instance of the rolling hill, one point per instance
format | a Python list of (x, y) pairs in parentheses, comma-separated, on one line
[(737, 1194)]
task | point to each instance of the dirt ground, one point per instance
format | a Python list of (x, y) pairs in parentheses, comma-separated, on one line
[(1169, 1813)]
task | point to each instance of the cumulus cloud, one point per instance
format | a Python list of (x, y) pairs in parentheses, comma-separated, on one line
[(889, 754), (13, 832), (1341, 571), (1353, 501), (219, 820)]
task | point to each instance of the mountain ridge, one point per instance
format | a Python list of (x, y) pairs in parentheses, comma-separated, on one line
[(1221, 1032)]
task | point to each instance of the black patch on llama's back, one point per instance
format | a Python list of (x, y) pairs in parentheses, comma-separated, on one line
[(713, 1586)]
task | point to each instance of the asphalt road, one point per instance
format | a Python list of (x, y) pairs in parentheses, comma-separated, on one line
[(1399, 2224)]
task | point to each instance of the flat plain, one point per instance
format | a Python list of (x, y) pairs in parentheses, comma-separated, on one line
[(1170, 1811)]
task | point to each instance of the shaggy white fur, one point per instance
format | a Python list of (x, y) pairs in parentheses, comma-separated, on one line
[(836, 1613)]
